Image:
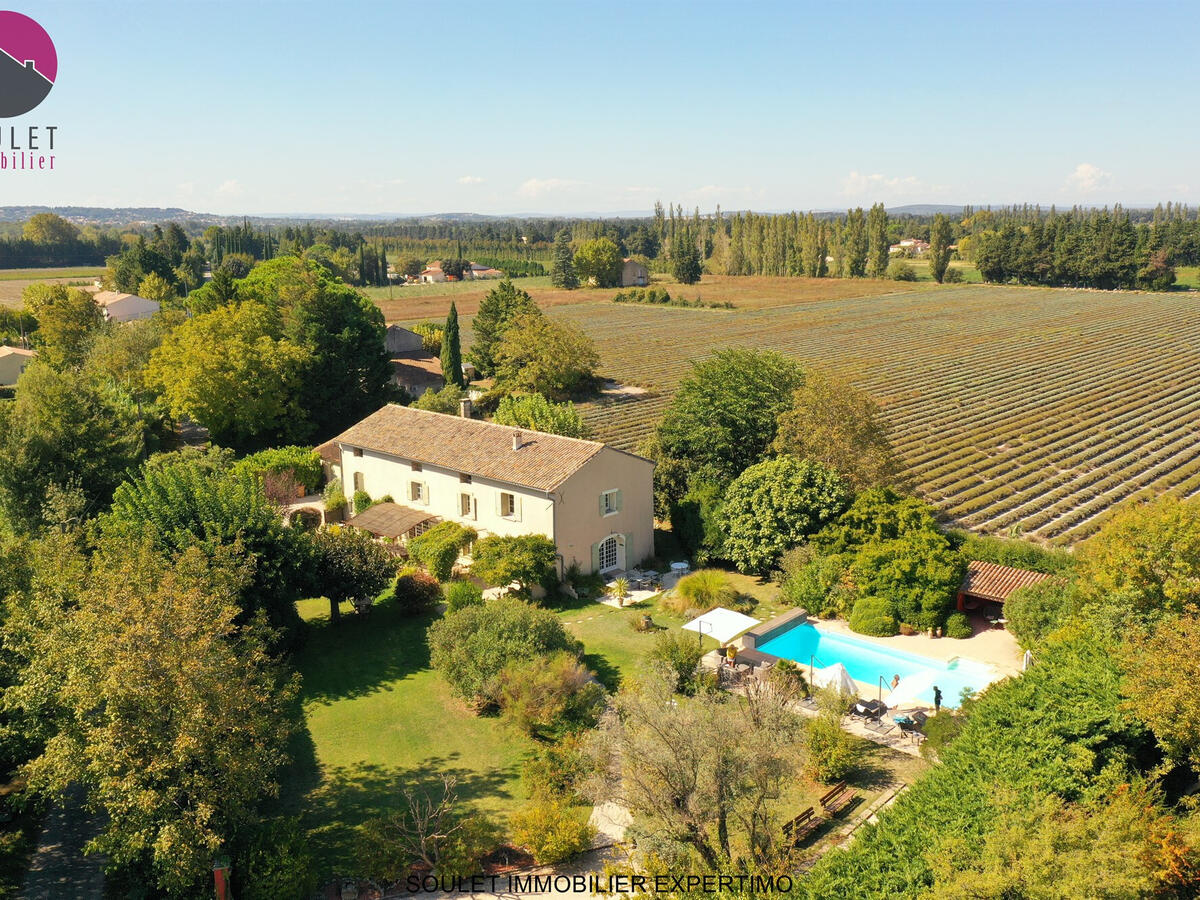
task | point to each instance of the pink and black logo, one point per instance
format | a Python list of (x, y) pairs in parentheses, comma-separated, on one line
[(28, 64)]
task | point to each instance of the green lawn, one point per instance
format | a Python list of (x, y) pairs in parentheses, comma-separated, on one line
[(378, 719), (613, 648), (1188, 276)]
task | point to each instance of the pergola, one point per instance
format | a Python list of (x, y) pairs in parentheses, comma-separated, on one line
[(993, 582)]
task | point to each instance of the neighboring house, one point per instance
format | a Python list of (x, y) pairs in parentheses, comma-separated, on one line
[(118, 307), (417, 372), (478, 271), (14, 361), (401, 340), (596, 503), (634, 274), (910, 247), (432, 275)]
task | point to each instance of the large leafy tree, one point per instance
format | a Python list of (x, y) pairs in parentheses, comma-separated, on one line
[(562, 269), (773, 506), (63, 430), (917, 574), (1162, 667), (67, 320), (497, 310), (545, 357), (833, 423), (173, 716), (345, 372), (525, 560), (452, 350), (723, 417), (598, 262), (940, 238), (686, 264), (348, 564), (232, 371), (180, 501), (1144, 562)]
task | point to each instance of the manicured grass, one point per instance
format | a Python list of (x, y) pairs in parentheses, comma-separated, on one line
[(378, 720), (614, 649), (1188, 277)]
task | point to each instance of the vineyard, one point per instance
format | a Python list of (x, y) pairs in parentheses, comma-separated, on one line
[(1012, 409)]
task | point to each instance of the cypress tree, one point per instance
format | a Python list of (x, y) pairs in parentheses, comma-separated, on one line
[(562, 270), (452, 350)]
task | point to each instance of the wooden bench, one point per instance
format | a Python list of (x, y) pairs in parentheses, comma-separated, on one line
[(801, 827), (838, 798)]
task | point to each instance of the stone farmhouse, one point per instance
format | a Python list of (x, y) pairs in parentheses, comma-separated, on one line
[(596, 503)]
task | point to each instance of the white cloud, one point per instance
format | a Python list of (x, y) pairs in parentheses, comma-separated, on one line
[(231, 188), (470, 179), (536, 187), (635, 189), (881, 187), (1088, 178), (186, 189)]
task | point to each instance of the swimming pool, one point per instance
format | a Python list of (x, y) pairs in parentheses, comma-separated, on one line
[(866, 662)]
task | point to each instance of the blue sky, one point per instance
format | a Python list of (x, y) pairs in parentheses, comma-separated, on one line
[(355, 107)]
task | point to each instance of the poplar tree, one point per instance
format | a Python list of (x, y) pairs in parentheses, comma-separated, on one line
[(562, 270), (877, 241), (940, 237), (854, 243), (452, 350)]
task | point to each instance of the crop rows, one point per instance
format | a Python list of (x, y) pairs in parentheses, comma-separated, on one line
[(1009, 407)]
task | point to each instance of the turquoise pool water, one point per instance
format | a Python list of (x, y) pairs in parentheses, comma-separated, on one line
[(866, 662)]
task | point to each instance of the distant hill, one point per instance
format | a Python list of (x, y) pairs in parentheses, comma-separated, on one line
[(924, 209), (103, 215)]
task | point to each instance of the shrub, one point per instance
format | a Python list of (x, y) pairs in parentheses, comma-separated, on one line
[(416, 591), (471, 647), (820, 584), (277, 863), (362, 501), (899, 270), (526, 560), (552, 831), (702, 590), (555, 771), (547, 695), (300, 464), (460, 594), (335, 497), (952, 276), (696, 520), (958, 626), (873, 615), (1034, 612), (431, 336), (439, 547), (679, 653), (832, 752)]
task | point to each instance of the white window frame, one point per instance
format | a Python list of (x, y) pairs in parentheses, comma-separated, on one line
[(612, 541), (467, 506), (614, 508), (512, 509)]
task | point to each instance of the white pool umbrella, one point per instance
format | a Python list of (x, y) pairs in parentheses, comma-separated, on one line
[(836, 677), (720, 624), (908, 691)]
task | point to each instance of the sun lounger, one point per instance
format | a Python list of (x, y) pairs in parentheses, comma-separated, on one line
[(838, 799), (878, 726)]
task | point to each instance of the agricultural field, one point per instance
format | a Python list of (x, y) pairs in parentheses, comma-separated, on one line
[(14, 281), (1027, 410)]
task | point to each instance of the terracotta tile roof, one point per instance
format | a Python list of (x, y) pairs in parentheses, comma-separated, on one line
[(417, 364), (992, 581), (543, 462), (389, 519), (330, 452)]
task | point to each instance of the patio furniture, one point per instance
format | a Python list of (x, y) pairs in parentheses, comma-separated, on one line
[(838, 799), (680, 568), (801, 827), (878, 726)]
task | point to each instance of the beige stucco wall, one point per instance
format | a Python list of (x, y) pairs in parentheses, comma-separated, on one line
[(383, 475), (579, 522), (570, 516), (129, 309)]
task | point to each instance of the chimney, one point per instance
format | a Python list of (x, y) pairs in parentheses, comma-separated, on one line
[(465, 408), (517, 439), (29, 64)]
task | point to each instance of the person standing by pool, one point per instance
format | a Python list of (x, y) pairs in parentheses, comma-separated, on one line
[(937, 699)]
